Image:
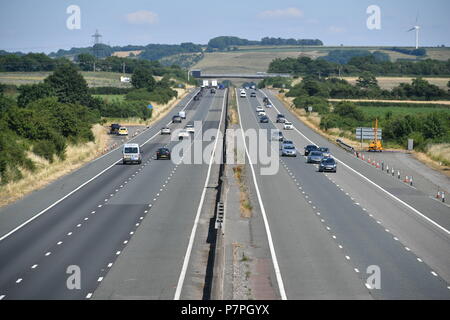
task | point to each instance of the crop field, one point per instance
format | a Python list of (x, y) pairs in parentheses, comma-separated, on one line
[(380, 112), (94, 79)]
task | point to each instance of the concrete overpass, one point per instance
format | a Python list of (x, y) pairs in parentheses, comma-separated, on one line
[(260, 75)]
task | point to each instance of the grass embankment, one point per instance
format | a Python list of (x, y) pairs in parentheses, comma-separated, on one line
[(437, 156), (76, 156), (233, 115), (159, 110), (46, 172)]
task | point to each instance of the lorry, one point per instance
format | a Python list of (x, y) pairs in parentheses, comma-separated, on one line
[(214, 83), (205, 84), (182, 114)]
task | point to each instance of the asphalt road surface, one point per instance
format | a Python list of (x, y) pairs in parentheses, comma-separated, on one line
[(87, 228), (331, 233)]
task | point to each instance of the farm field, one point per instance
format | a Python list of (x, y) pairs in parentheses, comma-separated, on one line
[(380, 112), (94, 79)]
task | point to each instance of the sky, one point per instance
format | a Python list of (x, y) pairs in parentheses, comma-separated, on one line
[(41, 26)]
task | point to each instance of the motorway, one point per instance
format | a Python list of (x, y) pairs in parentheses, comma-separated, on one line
[(89, 218), (329, 232), (131, 229)]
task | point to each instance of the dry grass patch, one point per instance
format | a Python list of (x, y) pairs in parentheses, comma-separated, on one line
[(45, 173), (245, 204)]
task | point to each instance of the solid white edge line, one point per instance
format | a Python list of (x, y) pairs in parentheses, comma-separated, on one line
[(373, 183), (197, 217), (263, 211), (82, 185)]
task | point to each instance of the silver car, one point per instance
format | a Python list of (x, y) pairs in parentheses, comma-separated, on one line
[(288, 151), (315, 157)]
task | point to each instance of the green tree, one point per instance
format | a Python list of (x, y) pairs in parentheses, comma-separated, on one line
[(143, 78), (86, 61), (29, 93), (367, 81), (69, 85), (433, 126), (349, 110)]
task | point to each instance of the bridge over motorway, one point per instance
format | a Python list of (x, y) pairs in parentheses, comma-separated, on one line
[(260, 75)]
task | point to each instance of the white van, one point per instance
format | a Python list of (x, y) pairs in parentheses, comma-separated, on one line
[(182, 114), (131, 153)]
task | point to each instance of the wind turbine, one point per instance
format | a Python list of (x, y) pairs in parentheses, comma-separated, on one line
[(416, 28)]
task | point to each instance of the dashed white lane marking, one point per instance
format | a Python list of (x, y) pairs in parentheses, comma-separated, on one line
[(89, 295), (100, 279), (137, 224), (69, 234), (78, 225), (117, 253), (396, 239), (92, 212), (99, 205), (347, 257), (420, 260), (334, 237), (86, 219), (368, 286), (110, 265), (434, 273), (2, 297), (48, 253), (341, 247), (34, 266), (19, 280), (125, 242), (356, 270), (59, 243), (407, 249), (131, 232)]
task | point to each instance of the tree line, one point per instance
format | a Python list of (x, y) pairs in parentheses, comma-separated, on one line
[(428, 128), (371, 63), (46, 117), (224, 42)]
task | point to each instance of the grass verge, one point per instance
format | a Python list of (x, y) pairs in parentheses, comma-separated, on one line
[(244, 198), (76, 156)]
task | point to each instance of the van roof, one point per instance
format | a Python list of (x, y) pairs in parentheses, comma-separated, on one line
[(130, 145)]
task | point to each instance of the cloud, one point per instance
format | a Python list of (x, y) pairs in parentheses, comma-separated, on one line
[(335, 29), (282, 13), (142, 17)]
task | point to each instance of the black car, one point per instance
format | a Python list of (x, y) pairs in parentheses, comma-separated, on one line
[(328, 165), (281, 118), (213, 90), (310, 148), (163, 153), (253, 94), (114, 128), (264, 119), (266, 100), (176, 119)]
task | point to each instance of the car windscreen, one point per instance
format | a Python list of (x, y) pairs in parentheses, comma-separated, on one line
[(328, 162), (324, 149), (131, 150), (316, 153), (290, 147)]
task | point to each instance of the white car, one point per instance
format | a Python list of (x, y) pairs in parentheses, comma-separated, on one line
[(268, 105), (259, 109), (183, 135), (165, 130), (288, 126), (261, 113), (190, 128)]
